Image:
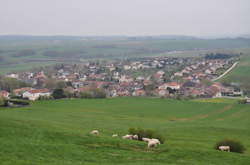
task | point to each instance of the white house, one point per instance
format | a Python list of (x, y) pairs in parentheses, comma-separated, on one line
[(36, 93), (172, 85)]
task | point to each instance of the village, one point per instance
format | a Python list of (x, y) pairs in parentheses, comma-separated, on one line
[(169, 77)]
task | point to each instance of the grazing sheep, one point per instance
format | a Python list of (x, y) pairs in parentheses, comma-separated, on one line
[(224, 148), (128, 137), (115, 135), (135, 137), (152, 143), (157, 141), (146, 139), (94, 132)]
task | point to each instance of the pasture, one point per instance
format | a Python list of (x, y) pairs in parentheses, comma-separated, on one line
[(57, 131), (240, 74)]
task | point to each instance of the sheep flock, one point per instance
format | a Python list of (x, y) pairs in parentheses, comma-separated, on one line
[(151, 142)]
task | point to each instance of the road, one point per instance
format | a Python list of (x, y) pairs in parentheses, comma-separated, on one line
[(226, 72)]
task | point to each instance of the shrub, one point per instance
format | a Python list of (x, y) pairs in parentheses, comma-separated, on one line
[(45, 98), (93, 93), (85, 95), (17, 102), (98, 93), (58, 94), (2, 101), (242, 101), (235, 146), (146, 133)]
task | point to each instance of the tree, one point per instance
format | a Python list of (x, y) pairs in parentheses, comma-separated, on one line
[(9, 84), (58, 94), (2, 101)]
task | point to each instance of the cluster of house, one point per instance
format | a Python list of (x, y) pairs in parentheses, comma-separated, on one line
[(157, 76), (27, 92)]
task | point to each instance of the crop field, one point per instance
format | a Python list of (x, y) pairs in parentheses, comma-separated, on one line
[(57, 131)]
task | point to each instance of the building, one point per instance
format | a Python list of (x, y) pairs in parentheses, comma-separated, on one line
[(4, 94), (36, 93)]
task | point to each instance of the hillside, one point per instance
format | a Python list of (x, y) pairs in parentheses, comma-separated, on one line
[(240, 74), (56, 132)]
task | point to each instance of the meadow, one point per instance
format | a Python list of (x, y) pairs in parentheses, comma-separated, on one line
[(240, 75), (57, 131)]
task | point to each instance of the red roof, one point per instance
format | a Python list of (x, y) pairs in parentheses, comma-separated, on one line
[(172, 84), (39, 91), (4, 93)]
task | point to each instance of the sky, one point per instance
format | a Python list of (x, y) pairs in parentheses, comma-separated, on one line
[(125, 17)]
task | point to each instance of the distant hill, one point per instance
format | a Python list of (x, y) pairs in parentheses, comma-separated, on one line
[(48, 50)]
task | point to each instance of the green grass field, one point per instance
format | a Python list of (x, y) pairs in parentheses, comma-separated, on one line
[(56, 132), (241, 73)]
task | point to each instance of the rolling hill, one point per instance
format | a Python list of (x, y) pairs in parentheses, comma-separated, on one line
[(57, 131)]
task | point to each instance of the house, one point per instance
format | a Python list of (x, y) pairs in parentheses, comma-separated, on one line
[(13, 75), (139, 92), (162, 92), (123, 92), (125, 78), (213, 91), (4, 94), (36, 93), (20, 91), (248, 101), (171, 85), (178, 74)]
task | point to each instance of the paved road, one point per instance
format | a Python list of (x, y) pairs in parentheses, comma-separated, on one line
[(226, 72)]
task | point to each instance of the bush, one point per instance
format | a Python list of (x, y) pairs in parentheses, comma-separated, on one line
[(235, 146), (45, 98), (85, 95), (146, 133), (93, 93), (2, 101), (17, 102), (58, 94), (242, 101)]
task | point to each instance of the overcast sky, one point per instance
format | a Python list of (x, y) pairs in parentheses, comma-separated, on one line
[(125, 17)]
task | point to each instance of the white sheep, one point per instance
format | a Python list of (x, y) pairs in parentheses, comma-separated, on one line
[(224, 148), (152, 143), (146, 139), (115, 135), (157, 141), (128, 137), (135, 137), (94, 132)]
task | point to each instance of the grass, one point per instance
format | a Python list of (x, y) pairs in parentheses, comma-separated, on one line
[(240, 74), (217, 100), (56, 132)]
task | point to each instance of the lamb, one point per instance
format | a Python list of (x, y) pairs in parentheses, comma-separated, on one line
[(115, 135), (94, 132), (224, 148), (128, 137)]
